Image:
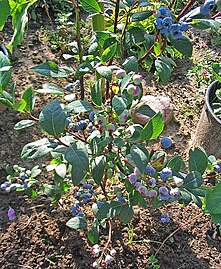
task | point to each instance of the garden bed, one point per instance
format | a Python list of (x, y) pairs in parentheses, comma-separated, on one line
[(39, 237)]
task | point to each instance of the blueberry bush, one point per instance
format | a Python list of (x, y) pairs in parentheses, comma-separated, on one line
[(89, 130)]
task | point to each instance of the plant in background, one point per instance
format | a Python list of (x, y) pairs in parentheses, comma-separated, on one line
[(93, 141), (216, 102)]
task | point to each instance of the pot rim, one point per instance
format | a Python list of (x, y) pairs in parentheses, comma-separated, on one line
[(212, 87)]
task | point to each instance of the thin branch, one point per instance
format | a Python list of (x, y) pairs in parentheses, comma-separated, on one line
[(175, 231), (185, 9)]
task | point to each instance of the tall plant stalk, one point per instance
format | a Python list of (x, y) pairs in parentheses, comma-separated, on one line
[(79, 45)]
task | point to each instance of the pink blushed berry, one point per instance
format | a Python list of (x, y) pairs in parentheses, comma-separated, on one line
[(11, 213), (108, 259), (132, 178), (96, 250), (152, 194), (137, 79), (137, 185), (175, 192), (178, 181), (130, 89), (143, 191), (95, 265), (113, 252), (136, 91), (121, 73)]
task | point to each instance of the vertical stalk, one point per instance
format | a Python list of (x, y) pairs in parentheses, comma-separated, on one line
[(98, 24), (80, 52)]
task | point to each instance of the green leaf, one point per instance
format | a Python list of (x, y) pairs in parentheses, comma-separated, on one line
[(198, 160), (133, 36), (141, 15), (51, 69), (79, 106), (77, 223), (19, 105), (212, 200), (157, 48), (130, 64), (96, 92), (4, 75), (153, 128), (119, 104), (50, 88), (105, 72), (163, 70), (108, 210), (61, 170), (109, 53), (93, 233), (24, 124), (97, 168), (140, 156), (205, 24), (125, 81), (77, 156), (19, 13), (193, 180), (90, 6), (187, 197), (146, 110), (29, 98), (84, 68), (176, 164), (4, 12), (126, 213), (183, 45), (37, 149), (53, 118), (217, 71)]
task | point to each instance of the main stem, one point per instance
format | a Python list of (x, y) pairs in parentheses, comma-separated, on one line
[(80, 52)]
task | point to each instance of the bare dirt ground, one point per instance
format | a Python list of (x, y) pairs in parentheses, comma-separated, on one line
[(39, 238)]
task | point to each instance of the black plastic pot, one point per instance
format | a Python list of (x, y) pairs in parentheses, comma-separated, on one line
[(208, 132), (209, 98)]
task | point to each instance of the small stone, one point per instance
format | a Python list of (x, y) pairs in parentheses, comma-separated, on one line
[(158, 104)]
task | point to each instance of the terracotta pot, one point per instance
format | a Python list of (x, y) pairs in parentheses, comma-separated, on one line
[(208, 132)]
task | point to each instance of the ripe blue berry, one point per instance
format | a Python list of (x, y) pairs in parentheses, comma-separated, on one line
[(150, 170), (87, 186), (100, 203), (80, 214), (91, 116), (166, 143), (152, 194), (121, 200), (166, 173), (69, 87), (217, 168), (163, 190)]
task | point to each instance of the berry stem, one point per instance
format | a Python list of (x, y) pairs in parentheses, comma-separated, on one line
[(108, 241), (176, 230), (183, 11)]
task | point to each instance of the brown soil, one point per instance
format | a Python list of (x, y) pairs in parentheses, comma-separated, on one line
[(39, 238)]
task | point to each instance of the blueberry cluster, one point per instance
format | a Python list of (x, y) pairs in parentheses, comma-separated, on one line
[(152, 184), (19, 181), (82, 196), (165, 24), (108, 258), (165, 218), (73, 86), (133, 88), (75, 127)]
